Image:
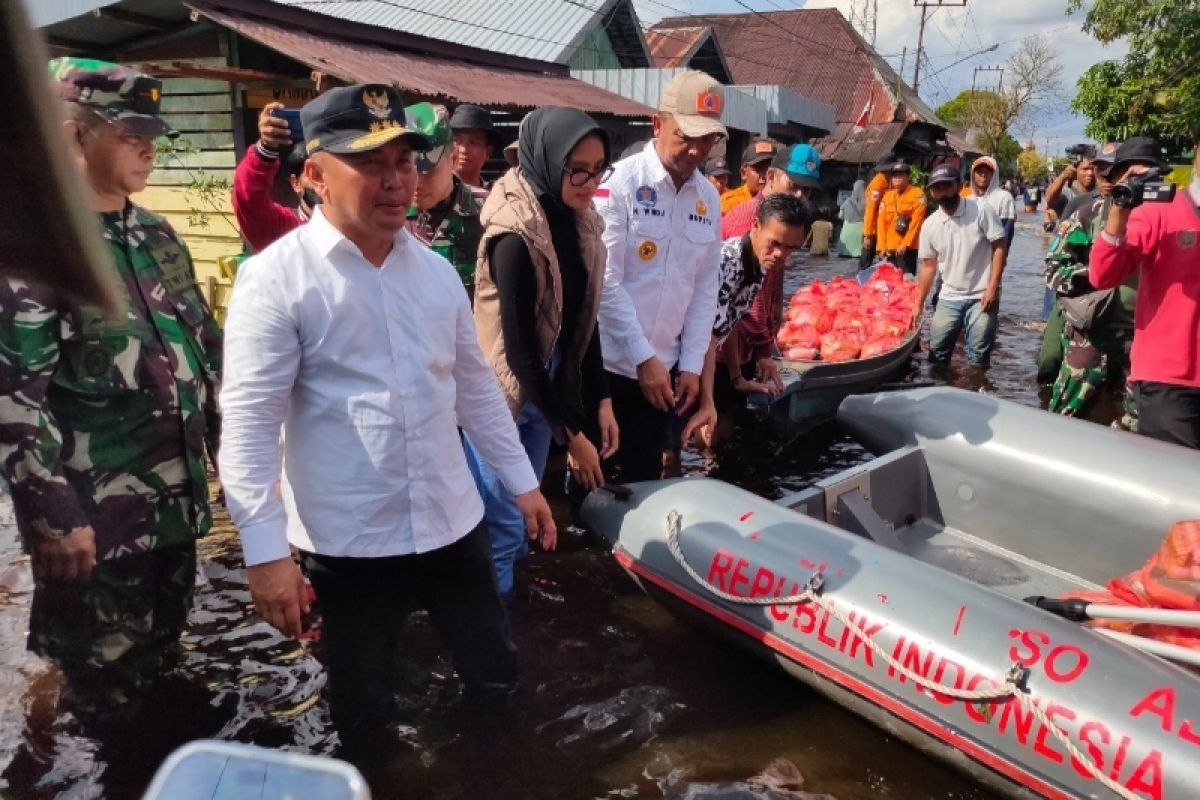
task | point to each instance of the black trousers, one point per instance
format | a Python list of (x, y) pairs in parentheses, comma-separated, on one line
[(868, 255), (1169, 413), (645, 431), (364, 603)]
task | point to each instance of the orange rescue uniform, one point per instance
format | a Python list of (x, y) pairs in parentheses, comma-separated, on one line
[(875, 191), (910, 203), (734, 197)]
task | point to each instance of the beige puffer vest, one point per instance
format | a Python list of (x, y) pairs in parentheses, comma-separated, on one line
[(513, 207)]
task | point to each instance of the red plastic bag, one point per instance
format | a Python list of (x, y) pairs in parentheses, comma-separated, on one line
[(840, 346), (813, 316)]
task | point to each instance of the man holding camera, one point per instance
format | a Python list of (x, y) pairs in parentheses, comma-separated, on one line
[(1077, 179), (1155, 229)]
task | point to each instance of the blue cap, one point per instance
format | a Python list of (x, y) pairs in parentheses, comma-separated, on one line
[(802, 163)]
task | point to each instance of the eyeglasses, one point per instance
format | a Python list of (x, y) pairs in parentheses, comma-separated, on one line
[(580, 177)]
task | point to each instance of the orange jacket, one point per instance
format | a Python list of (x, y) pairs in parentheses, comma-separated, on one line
[(911, 203), (734, 198), (875, 191)]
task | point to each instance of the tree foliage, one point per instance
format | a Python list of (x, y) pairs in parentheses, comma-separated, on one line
[(1031, 165), (1032, 85), (968, 111), (1155, 90)]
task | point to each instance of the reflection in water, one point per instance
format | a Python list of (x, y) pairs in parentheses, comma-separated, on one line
[(619, 698)]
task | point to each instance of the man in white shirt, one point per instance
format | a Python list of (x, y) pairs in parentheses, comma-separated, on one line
[(985, 188), (359, 342), (662, 219), (964, 244)]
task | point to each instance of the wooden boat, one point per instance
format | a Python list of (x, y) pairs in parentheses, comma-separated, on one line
[(812, 390), (911, 572)]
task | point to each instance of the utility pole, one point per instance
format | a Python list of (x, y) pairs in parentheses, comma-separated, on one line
[(975, 77), (925, 5)]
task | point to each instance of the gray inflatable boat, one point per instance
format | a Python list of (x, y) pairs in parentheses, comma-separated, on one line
[(897, 587)]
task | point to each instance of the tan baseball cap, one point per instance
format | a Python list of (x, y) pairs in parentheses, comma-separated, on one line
[(695, 100)]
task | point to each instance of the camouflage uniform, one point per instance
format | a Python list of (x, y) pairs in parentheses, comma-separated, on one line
[(104, 422), (453, 230), (1098, 354)]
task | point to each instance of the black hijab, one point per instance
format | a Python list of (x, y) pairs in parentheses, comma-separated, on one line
[(548, 135)]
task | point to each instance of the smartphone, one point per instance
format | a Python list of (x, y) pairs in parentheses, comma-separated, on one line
[(292, 115)]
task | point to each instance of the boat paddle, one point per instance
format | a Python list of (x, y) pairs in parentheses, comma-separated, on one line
[(1082, 611)]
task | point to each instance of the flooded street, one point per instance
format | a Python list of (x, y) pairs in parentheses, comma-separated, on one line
[(619, 698)]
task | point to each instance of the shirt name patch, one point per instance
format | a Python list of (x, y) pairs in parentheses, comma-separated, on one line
[(702, 220), (649, 212)]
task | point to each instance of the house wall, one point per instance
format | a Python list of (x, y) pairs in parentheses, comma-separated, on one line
[(202, 111), (595, 52)]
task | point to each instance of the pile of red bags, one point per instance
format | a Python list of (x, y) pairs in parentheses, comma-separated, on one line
[(841, 320)]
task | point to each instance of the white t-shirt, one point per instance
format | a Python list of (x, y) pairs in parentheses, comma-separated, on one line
[(962, 245)]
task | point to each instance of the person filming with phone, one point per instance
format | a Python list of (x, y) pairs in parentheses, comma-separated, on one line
[(261, 217), (1154, 229)]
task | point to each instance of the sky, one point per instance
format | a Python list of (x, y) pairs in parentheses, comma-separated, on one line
[(951, 34)]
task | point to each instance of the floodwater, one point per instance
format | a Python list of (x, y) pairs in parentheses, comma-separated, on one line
[(619, 700)]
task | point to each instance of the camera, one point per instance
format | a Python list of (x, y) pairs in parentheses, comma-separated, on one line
[(1148, 187), (1081, 151), (902, 223)]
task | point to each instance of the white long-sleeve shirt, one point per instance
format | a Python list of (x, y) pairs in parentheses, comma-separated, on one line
[(366, 369), (664, 255)]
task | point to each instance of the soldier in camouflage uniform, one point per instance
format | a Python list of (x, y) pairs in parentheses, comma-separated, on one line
[(1097, 325), (445, 213), (104, 421)]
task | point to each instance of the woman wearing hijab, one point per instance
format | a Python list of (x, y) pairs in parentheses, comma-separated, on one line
[(537, 294), (852, 213)]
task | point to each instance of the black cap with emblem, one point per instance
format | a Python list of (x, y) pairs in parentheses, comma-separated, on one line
[(357, 119)]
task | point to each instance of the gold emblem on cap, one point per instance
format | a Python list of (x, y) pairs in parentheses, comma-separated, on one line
[(701, 209), (154, 95), (378, 103), (647, 250)]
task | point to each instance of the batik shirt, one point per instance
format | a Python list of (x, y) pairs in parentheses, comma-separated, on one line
[(104, 421)]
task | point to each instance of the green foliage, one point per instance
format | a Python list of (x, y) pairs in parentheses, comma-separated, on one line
[(1155, 90), (1032, 166), (988, 116), (204, 189)]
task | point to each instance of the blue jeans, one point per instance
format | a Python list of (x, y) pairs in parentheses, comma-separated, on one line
[(505, 522), (952, 316)]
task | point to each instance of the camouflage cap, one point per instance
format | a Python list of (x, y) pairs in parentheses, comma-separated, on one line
[(117, 93), (433, 121)]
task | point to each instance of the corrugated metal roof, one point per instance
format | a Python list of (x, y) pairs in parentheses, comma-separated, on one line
[(544, 30), (672, 48), (48, 12), (431, 77), (742, 111), (785, 106), (864, 146), (817, 53)]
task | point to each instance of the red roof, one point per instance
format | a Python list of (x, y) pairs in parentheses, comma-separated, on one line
[(817, 53), (672, 48)]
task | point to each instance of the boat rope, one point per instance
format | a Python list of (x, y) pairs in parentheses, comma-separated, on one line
[(1012, 686)]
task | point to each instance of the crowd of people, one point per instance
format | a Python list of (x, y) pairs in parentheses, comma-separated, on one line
[(408, 341)]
